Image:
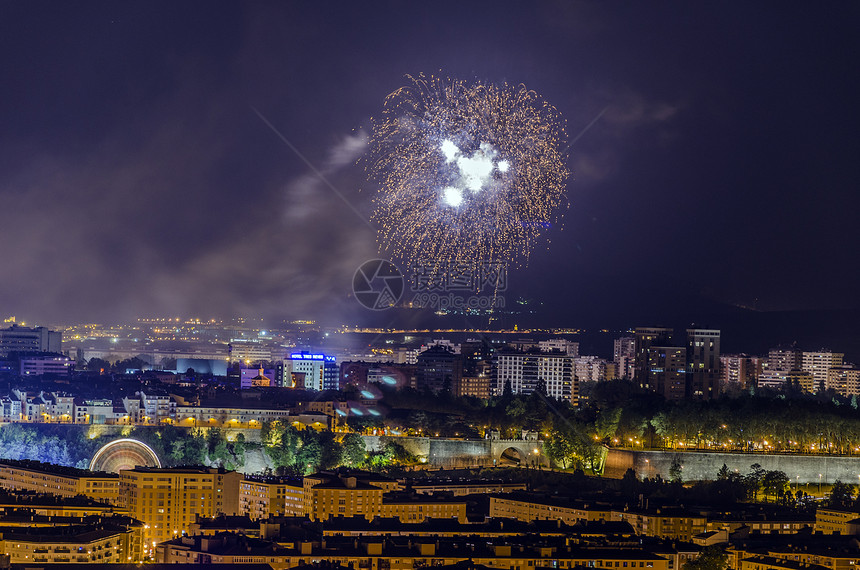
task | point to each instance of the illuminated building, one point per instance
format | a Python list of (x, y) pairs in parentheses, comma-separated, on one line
[(157, 408), (676, 524), (10, 409), (409, 507), (45, 363), (255, 378), (818, 364), (169, 500), (703, 363), (778, 379), (644, 338), (476, 386), (525, 371), (410, 552), (739, 370), (24, 339), (96, 540), (310, 371), (667, 372), (58, 480), (831, 520), (624, 356), (358, 493), (592, 369), (784, 359), (248, 352), (260, 498), (845, 380), (327, 495), (564, 346), (439, 369), (531, 508)]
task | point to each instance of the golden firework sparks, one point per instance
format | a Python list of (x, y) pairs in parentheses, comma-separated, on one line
[(466, 171)]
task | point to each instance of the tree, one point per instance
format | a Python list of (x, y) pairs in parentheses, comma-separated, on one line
[(710, 558), (331, 454), (98, 365), (754, 479), (675, 471), (842, 495), (354, 449), (560, 450), (775, 483)]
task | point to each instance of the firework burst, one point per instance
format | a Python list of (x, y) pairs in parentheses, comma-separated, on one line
[(465, 171)]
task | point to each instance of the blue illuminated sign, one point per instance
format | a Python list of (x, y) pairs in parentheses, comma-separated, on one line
[(306, 356)]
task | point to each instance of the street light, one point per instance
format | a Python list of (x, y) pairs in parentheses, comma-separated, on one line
[(819, 483)]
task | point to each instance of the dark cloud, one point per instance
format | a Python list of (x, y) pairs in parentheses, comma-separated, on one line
[(137, 179)]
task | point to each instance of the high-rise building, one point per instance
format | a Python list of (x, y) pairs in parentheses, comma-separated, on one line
[(25, 339), (592, 369), (845, 380), (667, 374), (739, 370), (819, 363), (524, 372), (645, 337), (562, 345), (784, 359), (439, 369), (780, 379), (703, 363), (624, 356)]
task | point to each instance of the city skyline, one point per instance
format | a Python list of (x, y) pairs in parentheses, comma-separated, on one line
[(145, 171)]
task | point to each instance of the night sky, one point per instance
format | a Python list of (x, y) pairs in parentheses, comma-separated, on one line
[(137, 178)]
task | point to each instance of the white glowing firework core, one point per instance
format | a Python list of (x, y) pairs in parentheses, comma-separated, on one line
[(449, 149), (474, 172), (452, 196)]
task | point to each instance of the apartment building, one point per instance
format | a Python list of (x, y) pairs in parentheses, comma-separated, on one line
[(168, 500), (58, 480)]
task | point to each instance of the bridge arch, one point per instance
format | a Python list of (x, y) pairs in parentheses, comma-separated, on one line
[(518, 452), (124, 453)]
